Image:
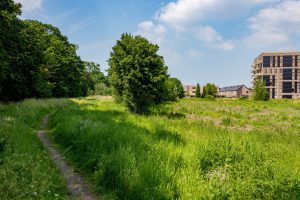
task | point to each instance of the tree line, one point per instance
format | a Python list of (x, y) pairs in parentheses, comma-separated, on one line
[(38, 61)]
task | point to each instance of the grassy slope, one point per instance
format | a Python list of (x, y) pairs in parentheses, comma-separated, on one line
[(191, 149), (26, 169)]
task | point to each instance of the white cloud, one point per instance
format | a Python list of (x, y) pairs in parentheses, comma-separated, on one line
[(185, 12), (194, 53), (30, 5), (275, 26), (211, 38), (155, 33)]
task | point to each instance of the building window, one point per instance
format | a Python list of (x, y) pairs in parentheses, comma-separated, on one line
[(287, 87), (296, 87), (273, 81), (287, 61), (273, 93), (287, 96), (287, 74), (266, 79), (278, 61), (296, 74), (296, 61), (274, 61), (266, 61)]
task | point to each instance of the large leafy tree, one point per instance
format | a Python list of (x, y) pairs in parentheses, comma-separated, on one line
[(61, 71), (36, 60), (18, 55), (260, 92), (137, 73)]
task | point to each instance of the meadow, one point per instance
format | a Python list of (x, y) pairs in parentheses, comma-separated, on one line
[(26, 168), (190, 149)]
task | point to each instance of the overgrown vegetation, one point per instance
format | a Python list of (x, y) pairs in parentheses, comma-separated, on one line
[(222, 149), (26, 168), (260, 92)]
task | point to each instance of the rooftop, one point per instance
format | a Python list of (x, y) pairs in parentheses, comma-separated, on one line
[(231, 88)]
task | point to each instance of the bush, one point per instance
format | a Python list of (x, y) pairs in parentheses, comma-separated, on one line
[(260, 92), (209, 98), (102, 89)]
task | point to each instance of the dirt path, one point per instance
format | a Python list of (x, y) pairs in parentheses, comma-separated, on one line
[(75, 183)]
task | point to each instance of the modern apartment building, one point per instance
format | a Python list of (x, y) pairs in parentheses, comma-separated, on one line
[(281, 73)]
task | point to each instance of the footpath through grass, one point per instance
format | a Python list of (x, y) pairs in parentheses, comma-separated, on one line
[(192, 149), (26, 168)]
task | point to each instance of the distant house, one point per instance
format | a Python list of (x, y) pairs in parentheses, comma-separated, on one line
[(190, 90), (234, 91)]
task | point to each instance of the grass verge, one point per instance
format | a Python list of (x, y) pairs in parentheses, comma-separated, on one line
[(26, 168)]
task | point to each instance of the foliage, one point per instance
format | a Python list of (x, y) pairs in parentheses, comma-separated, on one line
[(174, 89), (36, 59), (137, 73), (159, 156), (209, 97), (92, 76), (26, 169), (102, 89), (198, 92), (204, 92), (210, 89), (260, 92)]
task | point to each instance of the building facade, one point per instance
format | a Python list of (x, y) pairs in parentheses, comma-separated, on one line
[(190, 90), (280, 71), (237, 91)]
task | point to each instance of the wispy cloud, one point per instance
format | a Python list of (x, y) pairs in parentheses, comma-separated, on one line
[(82, 24)]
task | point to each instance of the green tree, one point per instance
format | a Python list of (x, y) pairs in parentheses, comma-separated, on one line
[(174, 89), (204, 92), (260, 92), (137, 73), (92, 76), (210, 89), (198, 92), (61, 70)]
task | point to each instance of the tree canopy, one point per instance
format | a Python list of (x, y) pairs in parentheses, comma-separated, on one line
[(174, 89), (36, 60), (137, 73), (210, 89)]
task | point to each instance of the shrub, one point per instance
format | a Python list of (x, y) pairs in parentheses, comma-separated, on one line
[(260, 92), (102, 89), (209, 98)]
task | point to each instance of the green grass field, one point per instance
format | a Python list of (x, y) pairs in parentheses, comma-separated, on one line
[(26, 169), (191, 149)]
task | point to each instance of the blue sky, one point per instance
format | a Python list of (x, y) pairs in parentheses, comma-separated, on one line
[(201, 40)]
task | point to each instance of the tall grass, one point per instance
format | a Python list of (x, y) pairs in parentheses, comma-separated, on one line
[(192, 149), (26, 169)]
